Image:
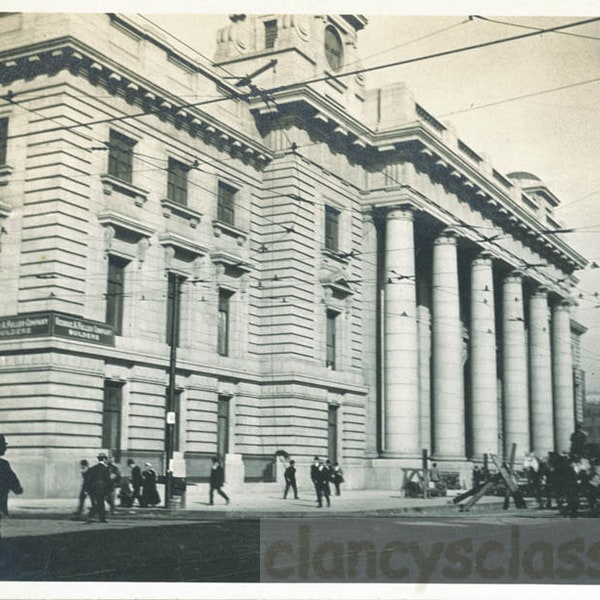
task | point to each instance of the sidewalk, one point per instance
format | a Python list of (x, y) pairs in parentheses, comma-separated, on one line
[(270, 503)]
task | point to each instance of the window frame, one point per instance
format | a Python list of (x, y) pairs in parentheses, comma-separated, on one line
[(331, 230), (271, 31), (177, 181), (226, 202), (120, 156), (224, 322), (115, 300), (3, 140), (331, 338), (113, 394)]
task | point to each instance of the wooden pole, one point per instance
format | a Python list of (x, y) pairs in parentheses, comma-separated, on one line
[(425, 474)]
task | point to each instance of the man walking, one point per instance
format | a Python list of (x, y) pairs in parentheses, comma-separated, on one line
[(98, 486), (290, 480), (217, 479), (84, 465), (9, 482), (137, 481)]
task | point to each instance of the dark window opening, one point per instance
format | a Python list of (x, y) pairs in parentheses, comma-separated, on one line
[(332, 433), (270, 33), (223, 323), (3, 139), (115, 293), (223, 426), (111, 418), (177, 184), (331, 335), (332, 217), (120, 156), (226, 203)]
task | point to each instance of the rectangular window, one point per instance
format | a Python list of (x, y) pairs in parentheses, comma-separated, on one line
[(177, 182), (3, 139), (332, 432), (120, 156), (111, 417), (223, 426), (114, 293), (331, 335), (223, 323), (332, 217), (226, 203), (174, 308), (270, 33)]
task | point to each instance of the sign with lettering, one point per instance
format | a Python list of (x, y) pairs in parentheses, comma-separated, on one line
[(56, 324)]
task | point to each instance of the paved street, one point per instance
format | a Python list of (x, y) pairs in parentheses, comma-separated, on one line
[(43, 541)]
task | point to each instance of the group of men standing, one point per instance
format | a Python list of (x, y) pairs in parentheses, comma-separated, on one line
[(100, 482), (322, 473)]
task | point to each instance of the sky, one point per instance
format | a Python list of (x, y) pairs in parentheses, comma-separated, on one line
[(530, 105)]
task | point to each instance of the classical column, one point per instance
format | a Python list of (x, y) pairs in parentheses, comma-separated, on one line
[(401, 420), (484, 391), (514, 366), (562, 370), (540, 374), (447, 343)]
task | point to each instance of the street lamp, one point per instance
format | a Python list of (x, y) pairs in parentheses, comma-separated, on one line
[(170, 418)]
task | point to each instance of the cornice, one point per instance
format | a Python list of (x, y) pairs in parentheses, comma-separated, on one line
[(68, 53), (477, 181)]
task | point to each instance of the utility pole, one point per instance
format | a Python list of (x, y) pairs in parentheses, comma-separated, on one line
[(170, 418)]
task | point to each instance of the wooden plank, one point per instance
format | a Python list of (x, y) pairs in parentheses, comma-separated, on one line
[(477, 496)]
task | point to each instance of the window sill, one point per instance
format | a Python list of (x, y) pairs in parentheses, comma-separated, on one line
[(341, 257), (111, 184), (5, 173), (174, 208), (219, 227)]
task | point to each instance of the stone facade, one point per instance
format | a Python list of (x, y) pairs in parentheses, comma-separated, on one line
[(355, 281)]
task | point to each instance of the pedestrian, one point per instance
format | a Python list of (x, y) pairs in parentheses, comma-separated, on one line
[(115, 480), (150, 496), (125, 493), (325, 471), (97, 486), (477, 476), (290, 480), (9, 482), (578, 442), (217, 481), (315, 477), (337, 477), (137, 481), (84, 466)]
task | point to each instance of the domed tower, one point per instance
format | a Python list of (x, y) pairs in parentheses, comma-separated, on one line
[(294, 49)]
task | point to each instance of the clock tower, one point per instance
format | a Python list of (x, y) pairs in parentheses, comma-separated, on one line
[(300, 48)]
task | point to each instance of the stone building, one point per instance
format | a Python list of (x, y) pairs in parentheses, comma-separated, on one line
[(337, 272)]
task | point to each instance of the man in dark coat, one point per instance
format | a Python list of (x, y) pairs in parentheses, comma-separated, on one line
[(137, 481), (98, 485), (217, 479), (315, 477), (578, 441), (9, 482), (290, 480)]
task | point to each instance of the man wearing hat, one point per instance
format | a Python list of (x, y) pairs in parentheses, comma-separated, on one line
[(8, 480), (98, 486)]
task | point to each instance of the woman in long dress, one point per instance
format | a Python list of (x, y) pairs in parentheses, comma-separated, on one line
[(150, 495)]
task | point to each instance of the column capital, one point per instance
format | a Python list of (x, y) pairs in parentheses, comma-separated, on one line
[(483, 258), (514, 276), (447, 236), (405, 211), (540, 292), (564, 304)]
